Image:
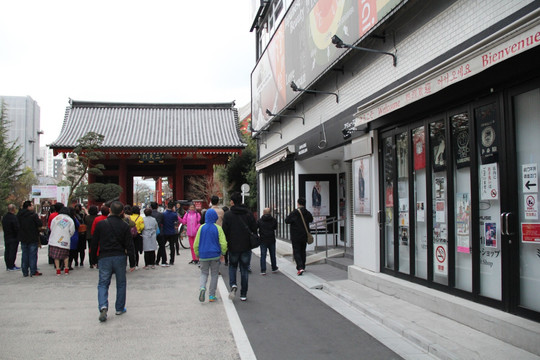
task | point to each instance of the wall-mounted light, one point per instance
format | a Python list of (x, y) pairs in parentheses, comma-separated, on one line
[(348, 131), (339, 44), (269, 113), (295, 88)]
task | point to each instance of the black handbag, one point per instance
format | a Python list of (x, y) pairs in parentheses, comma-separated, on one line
[(44, 238), (254, 239)]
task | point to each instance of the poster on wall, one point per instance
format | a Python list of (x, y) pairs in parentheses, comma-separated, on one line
[(438, 146), (530, 233), (489, 182), (419, 145), (362, 186), (486, 120), (318, 198), (461, 140), (420, 211), (490, 234), (463, 216)]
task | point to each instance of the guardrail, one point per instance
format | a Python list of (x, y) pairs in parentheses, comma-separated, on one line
[(324, 224)]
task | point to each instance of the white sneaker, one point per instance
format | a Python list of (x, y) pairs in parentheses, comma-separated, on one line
[(232, 294)]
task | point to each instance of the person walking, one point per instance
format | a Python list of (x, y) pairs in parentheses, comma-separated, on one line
[(267, 226), (139, 224), (80, 215), (192, 220), (214, 200), (210, 245), (88, 221), (149, 238), (74, 241), (28, 236), (113, 237), (238, 224), (161, 253), (10, 224), (296, 220), (170, 228), (62, 229)]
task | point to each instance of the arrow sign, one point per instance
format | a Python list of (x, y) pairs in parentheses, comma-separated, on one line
[(529, 178)]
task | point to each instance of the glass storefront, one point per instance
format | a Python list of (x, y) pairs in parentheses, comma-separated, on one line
[(279, 195)]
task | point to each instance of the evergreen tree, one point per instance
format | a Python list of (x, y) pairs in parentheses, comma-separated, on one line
[(10, 161), (83, 161)]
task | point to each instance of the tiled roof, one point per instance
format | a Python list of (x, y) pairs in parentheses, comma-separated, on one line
[(135, 125)]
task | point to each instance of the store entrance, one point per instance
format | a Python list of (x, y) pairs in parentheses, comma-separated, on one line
[(475, 167)]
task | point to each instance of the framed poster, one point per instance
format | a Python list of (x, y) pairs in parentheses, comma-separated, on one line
[(318, 198), (362, 185)]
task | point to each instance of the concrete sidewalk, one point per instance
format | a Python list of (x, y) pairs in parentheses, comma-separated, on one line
[(442, 325), (50, 317)]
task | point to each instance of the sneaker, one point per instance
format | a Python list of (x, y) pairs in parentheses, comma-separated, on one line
[(37, 274), (120, 312), (103, 315), (145, 268), (66, 271), (201, 294), (165, 265), (11, 269), (212, 298), (153, 266), (263, 273), (300, 272), (243, 298), (58, 272), (232, 294), (275, 271)]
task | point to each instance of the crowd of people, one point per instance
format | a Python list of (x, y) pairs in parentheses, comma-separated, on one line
[(116, 236)]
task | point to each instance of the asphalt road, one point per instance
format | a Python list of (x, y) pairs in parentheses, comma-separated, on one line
[(284, 321)]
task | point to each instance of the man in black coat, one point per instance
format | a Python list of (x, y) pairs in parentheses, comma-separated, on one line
[(28, 236), (161, 253), (113, 238), (238, 224), (267, 225), (10, 224), (299, 234)]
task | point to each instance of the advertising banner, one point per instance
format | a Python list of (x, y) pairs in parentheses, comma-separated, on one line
[(301, 49)]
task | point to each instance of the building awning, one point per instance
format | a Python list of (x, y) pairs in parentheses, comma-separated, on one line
[(280, 155)]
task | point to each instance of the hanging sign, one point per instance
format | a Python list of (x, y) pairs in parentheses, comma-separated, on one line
[(530, 178), (489, 182)]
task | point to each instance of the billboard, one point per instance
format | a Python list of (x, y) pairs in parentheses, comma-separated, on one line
[(301, 49)]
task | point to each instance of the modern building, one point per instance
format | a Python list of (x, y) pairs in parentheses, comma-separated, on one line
[(23, 115), (417, 124)]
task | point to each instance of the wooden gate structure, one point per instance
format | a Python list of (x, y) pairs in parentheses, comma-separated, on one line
[(177, 141)]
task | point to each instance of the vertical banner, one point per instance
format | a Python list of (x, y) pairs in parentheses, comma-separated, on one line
[(62, 194), (488, 142)]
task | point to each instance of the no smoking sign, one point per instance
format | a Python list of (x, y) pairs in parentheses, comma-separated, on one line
[(441, 259), (531, 206)]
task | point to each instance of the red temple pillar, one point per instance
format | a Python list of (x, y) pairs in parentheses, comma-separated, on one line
[(159, 191), (122, 179), (178, 191)]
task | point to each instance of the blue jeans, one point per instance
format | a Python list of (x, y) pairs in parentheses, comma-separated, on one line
[(272, 249), (29, 258), (242, 258), (108, 266)]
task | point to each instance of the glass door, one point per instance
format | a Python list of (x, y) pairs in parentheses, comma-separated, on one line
[(521, 221)]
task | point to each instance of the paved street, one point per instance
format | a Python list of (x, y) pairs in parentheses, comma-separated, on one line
[(56, 317)]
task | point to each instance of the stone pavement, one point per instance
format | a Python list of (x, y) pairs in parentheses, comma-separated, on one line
[(50, 317)]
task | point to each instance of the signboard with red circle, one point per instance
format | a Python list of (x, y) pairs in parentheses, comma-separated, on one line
[(441, 259)]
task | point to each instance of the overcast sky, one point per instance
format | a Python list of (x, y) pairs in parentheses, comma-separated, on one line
[(174, 51)]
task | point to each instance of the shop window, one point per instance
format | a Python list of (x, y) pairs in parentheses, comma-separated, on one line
[(462, 200), (437, 134), (388, 166), (419, 173), (279, 197), (402, 145), (490, 205)]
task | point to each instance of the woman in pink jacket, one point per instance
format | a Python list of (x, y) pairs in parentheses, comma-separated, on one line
[(192, 220)]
